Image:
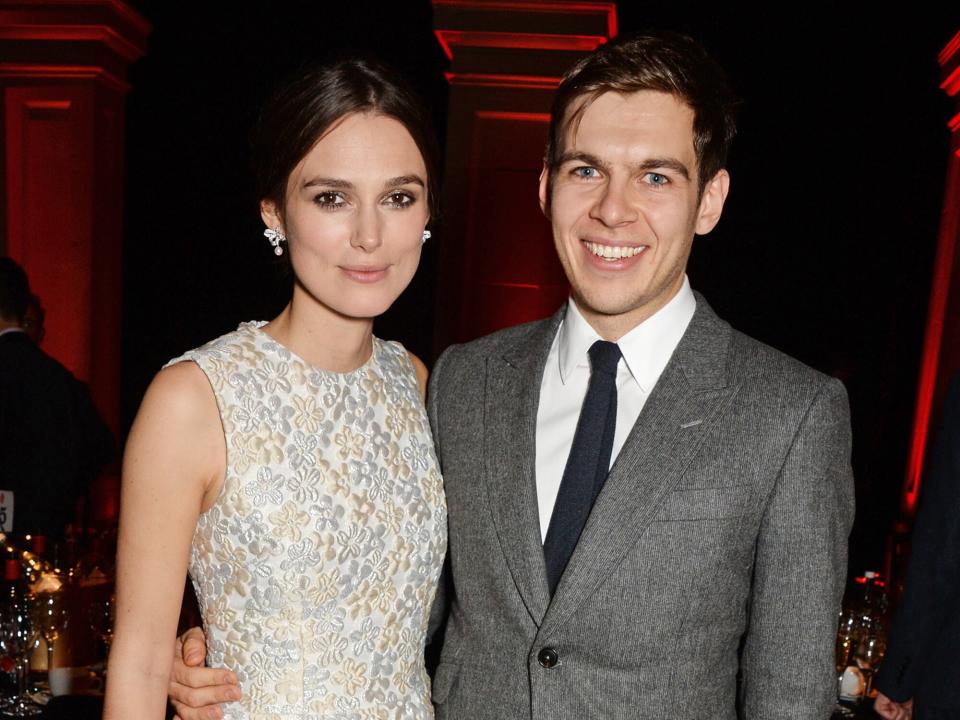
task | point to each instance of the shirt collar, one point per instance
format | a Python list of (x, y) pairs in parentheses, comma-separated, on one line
[(5, 331), (646, 349)]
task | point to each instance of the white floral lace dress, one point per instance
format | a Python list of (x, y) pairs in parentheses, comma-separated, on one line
[(317, 565)]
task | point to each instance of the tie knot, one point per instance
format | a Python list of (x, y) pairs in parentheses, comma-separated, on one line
[(604, 357)]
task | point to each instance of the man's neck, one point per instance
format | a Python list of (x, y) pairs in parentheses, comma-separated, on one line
[(614, 327)]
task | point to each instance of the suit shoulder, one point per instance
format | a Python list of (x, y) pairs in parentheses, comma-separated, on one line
[(754, 361), (493, 344), (21, 361)]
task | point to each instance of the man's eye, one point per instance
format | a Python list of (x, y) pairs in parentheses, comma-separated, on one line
[(330, 200), (586, 172), (657, 179), (400, 199)]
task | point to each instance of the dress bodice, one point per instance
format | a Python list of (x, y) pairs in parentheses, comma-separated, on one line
[(317, 565)]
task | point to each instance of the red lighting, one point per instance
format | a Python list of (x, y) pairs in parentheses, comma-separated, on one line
[(519, 82), (952, 84), (516, 40), (939, 292), (949, 50), (939, 297), (572, 8)]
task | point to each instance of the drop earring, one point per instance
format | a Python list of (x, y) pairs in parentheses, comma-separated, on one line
[(426, 236), (275, 236)]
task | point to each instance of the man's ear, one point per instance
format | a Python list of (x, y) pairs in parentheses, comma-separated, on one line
[(545, 190), (711, 202), (270, 214)]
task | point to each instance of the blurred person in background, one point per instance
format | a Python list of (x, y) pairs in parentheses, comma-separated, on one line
[(53, 442), (920, 675), (33, 320)]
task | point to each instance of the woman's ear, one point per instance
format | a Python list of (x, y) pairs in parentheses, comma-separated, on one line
[(270, 214)]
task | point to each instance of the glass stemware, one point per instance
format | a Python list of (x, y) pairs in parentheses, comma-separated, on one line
[(846, 643), (18, 637), (102, 617), (50, 612)]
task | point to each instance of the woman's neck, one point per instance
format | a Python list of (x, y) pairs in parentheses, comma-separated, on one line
[(321, 336)]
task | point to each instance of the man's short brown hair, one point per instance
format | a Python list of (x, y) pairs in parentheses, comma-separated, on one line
[(665, 62)]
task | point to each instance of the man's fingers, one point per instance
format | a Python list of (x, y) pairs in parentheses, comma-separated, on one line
[(884, 707), (189, 701), (201, 677), (185, 713), (193, 646)]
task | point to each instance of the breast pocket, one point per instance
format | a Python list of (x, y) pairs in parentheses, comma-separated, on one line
[(713, 503)]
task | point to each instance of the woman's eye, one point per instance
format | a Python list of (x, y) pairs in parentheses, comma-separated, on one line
[(586, 172), (331, 200), (400, 199)]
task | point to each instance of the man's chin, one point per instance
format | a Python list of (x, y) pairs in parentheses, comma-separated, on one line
[(605, 305)]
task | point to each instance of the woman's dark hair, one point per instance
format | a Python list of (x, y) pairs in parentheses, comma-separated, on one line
[(303, 110)]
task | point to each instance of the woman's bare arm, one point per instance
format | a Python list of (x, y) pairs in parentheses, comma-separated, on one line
[(173, 469)]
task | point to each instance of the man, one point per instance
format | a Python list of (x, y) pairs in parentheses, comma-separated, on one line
[(52, 441), (712, 556), (920, 674)]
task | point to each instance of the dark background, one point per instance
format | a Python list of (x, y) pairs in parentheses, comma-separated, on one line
[(825, 249)]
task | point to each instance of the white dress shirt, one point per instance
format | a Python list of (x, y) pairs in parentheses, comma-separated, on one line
[(646, 351)]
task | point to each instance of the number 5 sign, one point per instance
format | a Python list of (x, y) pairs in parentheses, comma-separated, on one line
[(6, 511)]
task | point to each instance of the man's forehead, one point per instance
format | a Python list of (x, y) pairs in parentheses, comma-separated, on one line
[(591, 117)]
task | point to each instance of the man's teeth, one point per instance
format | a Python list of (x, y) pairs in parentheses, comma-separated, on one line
[(614, 252)]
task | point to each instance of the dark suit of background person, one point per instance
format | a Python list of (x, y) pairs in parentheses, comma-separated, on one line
[(922, 661), (52, 441)]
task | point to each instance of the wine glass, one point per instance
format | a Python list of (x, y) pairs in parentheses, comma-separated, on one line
[(18, 637), (102, 617), (50, 612), (846, 642), (870, 651)]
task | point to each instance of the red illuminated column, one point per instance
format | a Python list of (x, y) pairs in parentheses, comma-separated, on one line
[(63, 70), (941, 347), (497, 262)]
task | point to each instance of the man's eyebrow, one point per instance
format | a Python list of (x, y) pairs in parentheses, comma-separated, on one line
[(581, 157), (665, 164)]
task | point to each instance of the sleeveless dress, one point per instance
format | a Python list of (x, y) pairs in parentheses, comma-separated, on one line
[(317, 565)]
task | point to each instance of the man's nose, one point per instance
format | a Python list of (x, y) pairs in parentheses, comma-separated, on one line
[(613, 206)]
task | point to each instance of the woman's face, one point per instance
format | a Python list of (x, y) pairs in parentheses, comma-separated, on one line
[(356, 208)]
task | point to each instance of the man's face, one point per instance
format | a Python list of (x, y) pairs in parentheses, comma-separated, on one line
[(624, 206)]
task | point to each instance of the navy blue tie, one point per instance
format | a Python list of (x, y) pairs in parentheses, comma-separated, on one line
[(588, 463)]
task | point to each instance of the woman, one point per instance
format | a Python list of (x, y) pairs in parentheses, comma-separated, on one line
[(289, 465)]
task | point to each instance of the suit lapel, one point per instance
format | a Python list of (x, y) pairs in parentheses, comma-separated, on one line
[(510, 425), (686, 401)]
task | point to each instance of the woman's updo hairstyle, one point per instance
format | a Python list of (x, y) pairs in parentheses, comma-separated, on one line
[(303, 110)]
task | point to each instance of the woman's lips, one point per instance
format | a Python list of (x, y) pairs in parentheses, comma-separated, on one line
[(364, 274)]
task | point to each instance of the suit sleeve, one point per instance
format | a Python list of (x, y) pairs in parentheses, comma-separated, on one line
[(787, 663), (932, 585), (438, 612)]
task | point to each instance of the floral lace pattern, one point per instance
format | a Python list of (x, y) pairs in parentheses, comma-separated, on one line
[(317, 565)]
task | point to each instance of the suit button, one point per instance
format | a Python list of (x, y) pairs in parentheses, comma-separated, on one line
[(548, 658)]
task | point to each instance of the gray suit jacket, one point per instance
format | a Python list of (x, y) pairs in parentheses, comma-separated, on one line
[(716, 547)]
